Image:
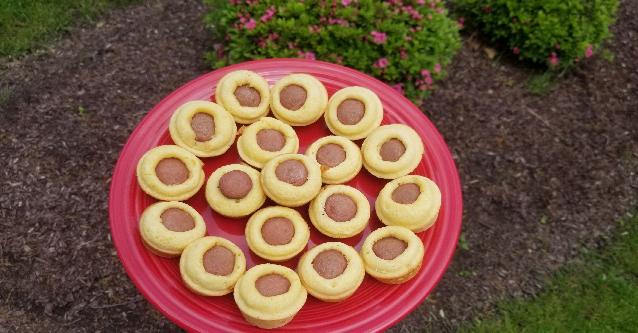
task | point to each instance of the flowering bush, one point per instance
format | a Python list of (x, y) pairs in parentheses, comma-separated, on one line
[(555, 32), (405, 43)]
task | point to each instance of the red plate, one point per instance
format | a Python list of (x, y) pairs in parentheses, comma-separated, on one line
[(375, 306)]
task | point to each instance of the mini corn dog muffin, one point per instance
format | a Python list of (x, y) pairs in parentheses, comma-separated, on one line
[(331, 271), (234, 190), (392, 254), (411, 201), (277, 233), (167, 228), (339, 157), (269, 296), (392, 151), (298, 99), (203, 128), (354, 112), (291, 180), (244, 94), (265, 139), (211, 266), (170, 173), (339, 211)]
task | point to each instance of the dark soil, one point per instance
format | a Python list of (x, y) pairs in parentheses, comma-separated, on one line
[(543, 175)]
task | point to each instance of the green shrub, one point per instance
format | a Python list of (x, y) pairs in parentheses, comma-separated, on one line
[(553, 32), (404, 43)]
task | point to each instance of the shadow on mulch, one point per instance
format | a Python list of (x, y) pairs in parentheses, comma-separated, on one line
[(542, 175)]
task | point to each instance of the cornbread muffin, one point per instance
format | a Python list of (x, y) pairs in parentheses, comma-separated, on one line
[(211, 266), (244, 94), (170, 173), (291, 180), (203, 128), (392, 151), (298, 99), (167, 228), (331, 271), (265, 139), (234, 190), (411, 201), (340, 158), (392, 254), (354, 112), (339, 211), (269, 295), (277, 233)]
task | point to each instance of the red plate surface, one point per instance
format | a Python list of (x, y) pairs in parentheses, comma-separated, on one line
[(375, 306)]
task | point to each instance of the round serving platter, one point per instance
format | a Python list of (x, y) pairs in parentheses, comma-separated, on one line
[(375, 306)]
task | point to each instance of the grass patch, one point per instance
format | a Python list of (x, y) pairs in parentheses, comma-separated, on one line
[(596, 294), (541, 84), (608, 55), (463, 243), (81, 111), (5, 94), (29, 24)]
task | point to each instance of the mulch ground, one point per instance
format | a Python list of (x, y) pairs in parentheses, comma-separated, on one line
[(542, 176)]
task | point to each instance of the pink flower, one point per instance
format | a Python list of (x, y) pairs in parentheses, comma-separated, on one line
[(437, 68), (404, 54), (273, 36), (220, 52), (516, 50), (378, 37), (461, 22), (428, 80), (398, 87), (340, 22), (381, 63), (553, 59), (250, 25), (589, 51), (427, 77), (314, 29), (306, 55), (413, 12), (268, 14), (346, 3), (420, 2)]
